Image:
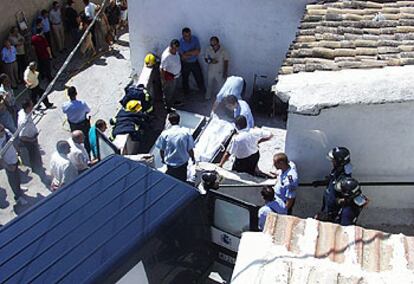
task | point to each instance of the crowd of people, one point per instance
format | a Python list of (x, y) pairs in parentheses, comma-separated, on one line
[(342, 201), (53, 31)]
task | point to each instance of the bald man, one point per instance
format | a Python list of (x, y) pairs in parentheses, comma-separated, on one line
[(78, 154), (61, 168)]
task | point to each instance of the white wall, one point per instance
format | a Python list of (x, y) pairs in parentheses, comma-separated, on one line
[(257, 34), (379, 136)]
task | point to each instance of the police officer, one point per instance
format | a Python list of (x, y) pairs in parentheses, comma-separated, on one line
[(350, 200), (341, 163), (287, 182)]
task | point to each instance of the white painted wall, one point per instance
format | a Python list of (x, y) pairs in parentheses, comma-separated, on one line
[(257, 34), (379, 136)]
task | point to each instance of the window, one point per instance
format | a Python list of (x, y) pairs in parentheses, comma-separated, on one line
[(231, 218)]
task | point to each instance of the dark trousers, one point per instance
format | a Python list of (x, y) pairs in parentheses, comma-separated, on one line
[(178, 172), (35, 157), (14, 180), (195, 69), (36, 93), (83, 126), (247, 165), (21, 64), (45, 69), (48, 37)]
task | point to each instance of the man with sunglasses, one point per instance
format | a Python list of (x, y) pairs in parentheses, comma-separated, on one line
[(218, 61)]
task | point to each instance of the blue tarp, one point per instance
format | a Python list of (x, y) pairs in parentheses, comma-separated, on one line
[(82, 230)]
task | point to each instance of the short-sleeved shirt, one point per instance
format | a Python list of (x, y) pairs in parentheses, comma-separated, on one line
[(176, 142), (90, 10), (185, 46), (76, 110), (170, 62), (31, 78), (243, 108), (18, 42), (7, 120), (287, 183), (232, 86), (10, 156), (220, 55), (245, 142), (78, 155), (29, 130), (8, 55), (273, 206), (45, 24), (62, 169), (55, 17), (40, 45)]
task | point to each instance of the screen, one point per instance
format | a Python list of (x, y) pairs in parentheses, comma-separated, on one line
[(231, 218)]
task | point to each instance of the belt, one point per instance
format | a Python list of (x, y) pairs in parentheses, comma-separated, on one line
[(56, 24), (10, 62)]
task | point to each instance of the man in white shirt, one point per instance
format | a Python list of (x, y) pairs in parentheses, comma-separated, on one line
[(245, 147), (90, 12), (55, 18), (28, 138), (170, 69), (90, 9), (218, 61), (78, 154), (61, 168), (9, 162)]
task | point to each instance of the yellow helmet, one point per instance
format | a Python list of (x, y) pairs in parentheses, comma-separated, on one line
[(150, 60), (134, 106)]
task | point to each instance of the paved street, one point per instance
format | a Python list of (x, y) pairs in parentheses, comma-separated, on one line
[(100, 83)]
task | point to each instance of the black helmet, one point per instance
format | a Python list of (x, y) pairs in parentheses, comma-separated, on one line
[(348, 187), (210, 179), (340, 155)]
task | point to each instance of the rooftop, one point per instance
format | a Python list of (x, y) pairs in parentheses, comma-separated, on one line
[(294, 250), (348, 34), (310, 92)]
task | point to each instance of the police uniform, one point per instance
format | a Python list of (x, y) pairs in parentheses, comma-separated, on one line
[(330, 208), (285, 187), (275, 206)]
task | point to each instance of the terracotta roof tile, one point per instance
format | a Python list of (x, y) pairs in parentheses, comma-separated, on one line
[(371, 250), (342, 31)]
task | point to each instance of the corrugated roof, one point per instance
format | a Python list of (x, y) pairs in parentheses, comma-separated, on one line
[(75, 234), (345, 34), (294, 250)]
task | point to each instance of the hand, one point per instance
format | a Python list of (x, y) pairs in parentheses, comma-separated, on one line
[(214, 61), (224, 75)]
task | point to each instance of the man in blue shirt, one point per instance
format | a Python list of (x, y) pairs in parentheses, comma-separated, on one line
[(287, 182), (9, 56), (44, 17), (271, 206), (189, 51), (176, 146), (76, 112), (239, 107)]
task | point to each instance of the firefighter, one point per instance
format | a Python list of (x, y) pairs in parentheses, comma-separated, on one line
[(341, 167)]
